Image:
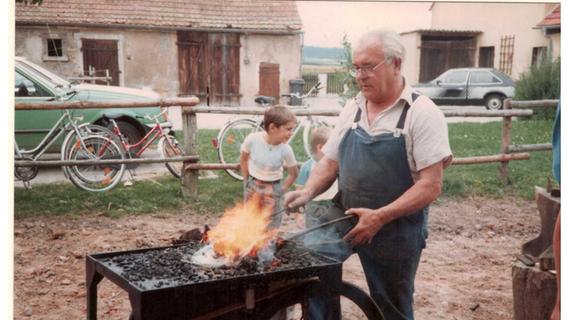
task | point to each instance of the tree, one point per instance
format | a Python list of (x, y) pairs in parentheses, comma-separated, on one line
[(350, 85), (541, 81)]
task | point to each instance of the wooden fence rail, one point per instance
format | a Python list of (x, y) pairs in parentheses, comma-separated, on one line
[(506, 146), (508, 153), (59, 163), (169, 102), (503, 158)]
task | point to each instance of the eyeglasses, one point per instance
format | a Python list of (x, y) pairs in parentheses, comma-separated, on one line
[(354, 71)]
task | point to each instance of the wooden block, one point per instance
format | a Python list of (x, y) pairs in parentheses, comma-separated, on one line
[(546, 260), (548, 207), (535, 292)]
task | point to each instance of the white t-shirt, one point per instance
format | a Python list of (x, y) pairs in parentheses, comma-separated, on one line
[(266, 160), (425, 129)]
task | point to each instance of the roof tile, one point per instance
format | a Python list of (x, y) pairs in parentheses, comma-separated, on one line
[(553, 19), (271, 15)]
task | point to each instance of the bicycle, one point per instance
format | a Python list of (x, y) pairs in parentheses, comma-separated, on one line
[(82, 142), (167, 144), (233, 133)]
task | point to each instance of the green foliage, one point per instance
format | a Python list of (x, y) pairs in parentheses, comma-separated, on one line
[(541, 81), (348, 81)]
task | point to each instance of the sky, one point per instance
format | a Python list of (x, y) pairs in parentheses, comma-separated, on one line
[(326, 22)]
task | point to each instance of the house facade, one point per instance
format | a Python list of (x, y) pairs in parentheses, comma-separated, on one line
[(225, 52), (496, 35)]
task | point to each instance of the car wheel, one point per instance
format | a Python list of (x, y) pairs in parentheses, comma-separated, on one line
[(131, 134), (494, 102)]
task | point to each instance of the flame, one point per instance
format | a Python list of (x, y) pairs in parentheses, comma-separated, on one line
[(242, 230)]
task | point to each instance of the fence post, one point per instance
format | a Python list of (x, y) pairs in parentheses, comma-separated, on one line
[(506, 128), (190, 129)]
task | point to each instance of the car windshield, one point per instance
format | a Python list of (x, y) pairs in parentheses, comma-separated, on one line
[(45, 74)]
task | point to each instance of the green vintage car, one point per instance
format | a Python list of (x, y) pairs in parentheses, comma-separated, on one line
[(35, 84)]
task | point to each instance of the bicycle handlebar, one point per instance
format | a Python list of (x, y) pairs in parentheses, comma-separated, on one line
[(297, 95), (155, 118)]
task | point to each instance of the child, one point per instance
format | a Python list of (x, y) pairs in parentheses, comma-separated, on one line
[(263, 156), (319, 206)]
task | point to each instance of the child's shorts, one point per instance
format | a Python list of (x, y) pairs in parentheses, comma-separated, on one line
[(271, 196)]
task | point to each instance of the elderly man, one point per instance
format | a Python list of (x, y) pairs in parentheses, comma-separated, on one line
[(388, 151)]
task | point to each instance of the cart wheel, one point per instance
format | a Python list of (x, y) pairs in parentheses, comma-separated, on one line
[(350, 294)]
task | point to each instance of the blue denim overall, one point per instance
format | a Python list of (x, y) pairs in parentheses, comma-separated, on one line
[(373, 172)]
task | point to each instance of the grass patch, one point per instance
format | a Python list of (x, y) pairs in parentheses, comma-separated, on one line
[(475, 139), (215, 195)]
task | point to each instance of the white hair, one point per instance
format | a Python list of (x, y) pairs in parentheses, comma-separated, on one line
[(388, 40)]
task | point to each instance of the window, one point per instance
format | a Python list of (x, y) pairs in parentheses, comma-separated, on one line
[(483, 77), (54, 48), (23, 87), (455, 77), (538, 55)]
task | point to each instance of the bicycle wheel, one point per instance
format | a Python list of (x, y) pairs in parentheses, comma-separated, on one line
[(94, 177), (355, 303), (170, 148), (307, 134), (229, 141)]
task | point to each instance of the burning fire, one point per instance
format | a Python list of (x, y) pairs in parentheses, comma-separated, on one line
[(241, 231)]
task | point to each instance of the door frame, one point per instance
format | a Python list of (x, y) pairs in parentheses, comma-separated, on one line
[(79, 36)]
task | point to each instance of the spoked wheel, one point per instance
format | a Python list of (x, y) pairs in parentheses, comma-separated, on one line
[(170, 148), (86, 130), (355, 303), (229, 143), (94, 177)]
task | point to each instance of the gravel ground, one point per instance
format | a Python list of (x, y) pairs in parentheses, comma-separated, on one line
[(465, 271)]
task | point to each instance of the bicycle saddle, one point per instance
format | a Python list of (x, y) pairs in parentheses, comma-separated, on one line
[(265, 100)]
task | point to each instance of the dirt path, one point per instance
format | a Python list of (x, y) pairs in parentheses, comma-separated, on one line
[(466, 265)]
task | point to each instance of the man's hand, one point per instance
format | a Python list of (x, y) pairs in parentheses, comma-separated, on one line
[(295, 199), (369, 223)]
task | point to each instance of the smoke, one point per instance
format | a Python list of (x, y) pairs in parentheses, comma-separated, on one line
[(328, 242)]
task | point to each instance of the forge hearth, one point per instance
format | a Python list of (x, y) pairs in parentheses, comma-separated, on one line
[(163, 284)]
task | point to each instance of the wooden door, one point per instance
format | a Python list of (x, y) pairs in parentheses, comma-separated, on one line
[(486, 57), (224, 70), (208, 65), (269, 80), (101, 55), (192, 67), (440, 55)]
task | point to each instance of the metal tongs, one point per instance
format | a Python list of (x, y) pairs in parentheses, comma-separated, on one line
[(311, 229), (320, 226)]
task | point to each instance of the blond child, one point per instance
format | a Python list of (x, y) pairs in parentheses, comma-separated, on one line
[(319, 206), (264, 154)]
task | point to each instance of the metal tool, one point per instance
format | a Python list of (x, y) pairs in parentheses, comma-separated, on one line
[(325, 224)]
